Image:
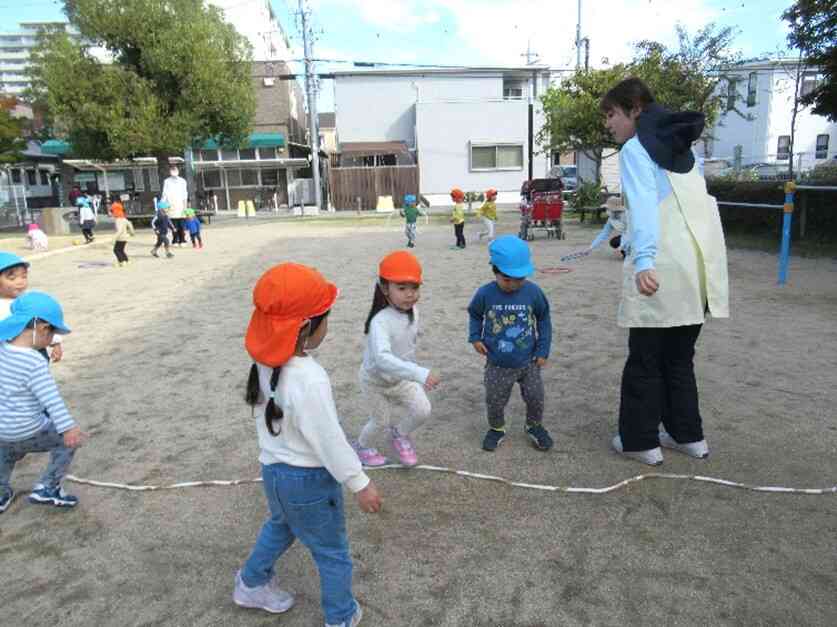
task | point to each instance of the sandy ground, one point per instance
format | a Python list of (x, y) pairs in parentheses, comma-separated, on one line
[(155, 369)]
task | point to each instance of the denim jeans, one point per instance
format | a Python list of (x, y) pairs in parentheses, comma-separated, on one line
[(305, 504), (47, 440)]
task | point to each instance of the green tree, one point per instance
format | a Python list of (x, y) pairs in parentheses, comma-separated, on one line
[(12, 143), (688, 77), (813, 31), (178, 74)]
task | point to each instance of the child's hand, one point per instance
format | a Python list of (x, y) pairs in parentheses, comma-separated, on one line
[(369, 500), (480, 348), (540, 361), (73, 438), (57, 353), (432, 382)]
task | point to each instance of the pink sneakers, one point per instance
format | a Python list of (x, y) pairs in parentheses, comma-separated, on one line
[(404, 447), (369, 456)]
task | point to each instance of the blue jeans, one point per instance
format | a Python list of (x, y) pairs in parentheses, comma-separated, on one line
[(47, 440), (305, 503)]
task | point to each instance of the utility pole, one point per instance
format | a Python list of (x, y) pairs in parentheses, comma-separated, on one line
[(531, 57), (578, 40), (311, 94)]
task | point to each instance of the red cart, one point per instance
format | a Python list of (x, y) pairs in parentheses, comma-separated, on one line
[(542, 208)]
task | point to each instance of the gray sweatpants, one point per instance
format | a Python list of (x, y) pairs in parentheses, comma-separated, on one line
[(47, 440), (498, 386)]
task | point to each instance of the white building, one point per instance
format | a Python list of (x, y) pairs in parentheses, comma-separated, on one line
[(764, 92), (15, 51), (465, 128)]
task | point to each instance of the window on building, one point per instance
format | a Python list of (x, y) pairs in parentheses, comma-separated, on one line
[(514, 88), (250, 177), (822, 147), (153, 180), (497, 157), (247, 153), (810, 81), (31, 177), (207, 155), (211, 179), (783, 148), (44, 177), (234, 178), (732, 93), (139, 181), (270, 178), (229, 155), (267, 153), (752, 89), (16, 176)]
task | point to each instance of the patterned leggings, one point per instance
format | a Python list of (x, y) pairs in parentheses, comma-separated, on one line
[(498, 386)]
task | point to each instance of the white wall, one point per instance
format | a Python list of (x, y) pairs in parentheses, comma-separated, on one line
[(252, 19)]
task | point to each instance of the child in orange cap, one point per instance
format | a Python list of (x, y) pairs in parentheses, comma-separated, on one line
[(458, 216), (389, 376), (488, 213), (304, 453)]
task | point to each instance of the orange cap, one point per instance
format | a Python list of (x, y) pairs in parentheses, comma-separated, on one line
[(491, 193), (457, 194), (286, 296), (400, 267)]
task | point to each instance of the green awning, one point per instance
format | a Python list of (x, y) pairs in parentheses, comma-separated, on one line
[(256, 140), (55, 147)]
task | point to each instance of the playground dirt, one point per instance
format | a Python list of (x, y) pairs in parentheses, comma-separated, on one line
[(154, 372)]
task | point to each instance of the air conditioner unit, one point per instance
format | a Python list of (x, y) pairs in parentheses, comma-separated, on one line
[(268, 81)]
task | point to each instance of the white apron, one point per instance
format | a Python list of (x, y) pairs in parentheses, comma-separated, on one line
[(691, 262)]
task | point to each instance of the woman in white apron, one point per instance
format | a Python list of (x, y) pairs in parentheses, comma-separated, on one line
[(674, 274)]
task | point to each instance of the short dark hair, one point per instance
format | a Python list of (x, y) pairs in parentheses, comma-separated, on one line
[(627, 95)]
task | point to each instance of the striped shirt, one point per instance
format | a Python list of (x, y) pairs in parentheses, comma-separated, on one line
[(26, 390)]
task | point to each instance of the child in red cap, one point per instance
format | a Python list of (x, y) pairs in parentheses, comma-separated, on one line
[(304, 453)]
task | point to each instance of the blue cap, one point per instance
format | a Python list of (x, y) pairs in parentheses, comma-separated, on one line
[(163, 204), (8, 260), (82, 201), (29, 306), (511, 256), (410, 199)]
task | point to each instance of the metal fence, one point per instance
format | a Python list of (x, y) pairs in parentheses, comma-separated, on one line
[(14, 209)]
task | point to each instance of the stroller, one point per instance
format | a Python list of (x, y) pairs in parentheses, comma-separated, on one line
[(541, 207)]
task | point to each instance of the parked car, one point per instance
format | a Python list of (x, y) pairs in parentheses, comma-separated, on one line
[(568, 175), (758, 172)]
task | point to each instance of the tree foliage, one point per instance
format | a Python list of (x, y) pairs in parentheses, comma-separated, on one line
[(179, 74), (12, 143), (687, 78), (813, 31)]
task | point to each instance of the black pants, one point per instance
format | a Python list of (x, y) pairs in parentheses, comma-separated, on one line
[(162, 240), (658, 384), (179, 234), (459, 230), (196, 237), (119, 251)]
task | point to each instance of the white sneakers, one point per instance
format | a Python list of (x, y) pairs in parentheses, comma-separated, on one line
[(353, 622), (267, 597), (654, 456)]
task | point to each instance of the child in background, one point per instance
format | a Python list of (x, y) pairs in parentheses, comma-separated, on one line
[(33, 417), (86, 217), (410, 213), (511, 327), (458, 216), (389, 377), (36, 239), (124, 230), (488, 212), (14, 279), (304, 453), (193, 225), (162, 224), (615, 224)]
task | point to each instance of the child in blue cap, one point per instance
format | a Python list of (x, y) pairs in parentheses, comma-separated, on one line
[(511, 327), (33, 417), (410, 213), (162, 224), (86, 217)]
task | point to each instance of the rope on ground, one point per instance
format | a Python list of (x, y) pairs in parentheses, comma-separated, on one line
[(474, 475)]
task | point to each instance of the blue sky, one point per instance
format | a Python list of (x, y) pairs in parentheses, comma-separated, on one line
[(493, 32)]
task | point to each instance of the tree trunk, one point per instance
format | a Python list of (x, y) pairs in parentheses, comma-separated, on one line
[(162, 170)]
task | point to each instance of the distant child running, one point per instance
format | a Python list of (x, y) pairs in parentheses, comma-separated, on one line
[(410, 213), (193, 225), (162, 224), (124, 230), (86, 217), (33, 417), (488, 212), (458, 216), (304, 453), (390, 380), (14, 280), (511, 327), (36, 239)]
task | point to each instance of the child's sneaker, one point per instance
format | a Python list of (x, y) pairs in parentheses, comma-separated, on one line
[(492, 440), (404, 447), (369, 456), (154, 253), (699, 450), (540, 437), (652, 457), (6, 500), (267, 597), (42, 495), (353, 622), (169, 255)]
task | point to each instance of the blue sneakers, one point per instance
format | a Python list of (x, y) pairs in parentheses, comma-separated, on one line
[(492, 440), (6, 500), (539, 436), (56, 496)]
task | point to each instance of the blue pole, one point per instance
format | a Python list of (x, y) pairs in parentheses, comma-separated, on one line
[(787, 220)]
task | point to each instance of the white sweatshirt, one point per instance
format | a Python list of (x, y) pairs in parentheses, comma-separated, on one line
[(176, 192), (310, 434), (390, 353)]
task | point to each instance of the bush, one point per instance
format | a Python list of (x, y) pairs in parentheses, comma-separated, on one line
[(587, 195)]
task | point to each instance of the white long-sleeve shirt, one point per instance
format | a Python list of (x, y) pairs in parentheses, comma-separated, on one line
[(310, 434), (390, 353)]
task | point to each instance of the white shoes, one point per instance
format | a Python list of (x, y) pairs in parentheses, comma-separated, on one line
[(267, 597), (699, 450), (652, 457), (353, 622)]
